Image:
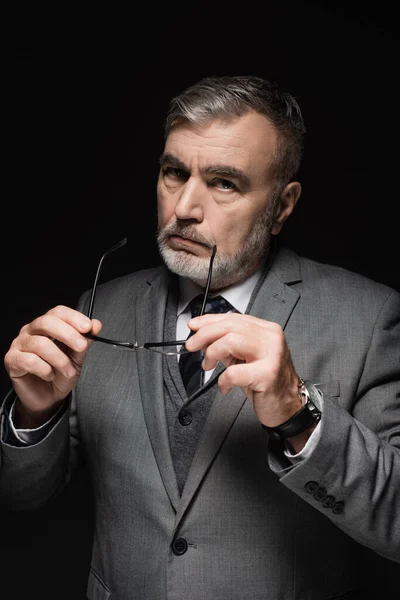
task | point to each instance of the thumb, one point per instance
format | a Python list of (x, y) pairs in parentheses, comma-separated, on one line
[(95, 328)]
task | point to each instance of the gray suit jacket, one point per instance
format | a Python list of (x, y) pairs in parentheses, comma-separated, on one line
[(256, 527)]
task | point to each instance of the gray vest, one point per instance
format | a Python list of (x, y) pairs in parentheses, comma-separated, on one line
[(186, 419)]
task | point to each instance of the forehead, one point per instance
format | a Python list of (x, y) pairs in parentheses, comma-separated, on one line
[(246, 141)]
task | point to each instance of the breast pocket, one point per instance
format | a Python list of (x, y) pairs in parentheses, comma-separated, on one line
[(330, 389)]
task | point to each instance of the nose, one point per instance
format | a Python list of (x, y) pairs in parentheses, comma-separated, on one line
[(190, 205)]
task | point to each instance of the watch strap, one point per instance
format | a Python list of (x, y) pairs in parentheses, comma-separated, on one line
[(307, 416)]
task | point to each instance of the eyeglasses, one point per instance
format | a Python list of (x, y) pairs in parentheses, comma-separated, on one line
[(164, 347)]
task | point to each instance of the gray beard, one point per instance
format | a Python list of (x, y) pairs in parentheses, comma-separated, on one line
[(227, 270)]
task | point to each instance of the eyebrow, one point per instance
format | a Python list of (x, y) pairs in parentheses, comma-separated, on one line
[(174, 161), (220, 170)]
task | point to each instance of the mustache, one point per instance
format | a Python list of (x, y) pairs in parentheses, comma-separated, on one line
[(186, 231)]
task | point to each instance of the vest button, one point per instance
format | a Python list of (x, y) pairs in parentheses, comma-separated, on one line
[(185, 417), (179, 546)]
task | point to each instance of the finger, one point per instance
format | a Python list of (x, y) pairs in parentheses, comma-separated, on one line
[(49, 352), (233, 319), (27, 363), (96, 326), (79, 356), (216, 329), (75, 318), (68, 332), (233, 345), (197, 322), (245, 375)]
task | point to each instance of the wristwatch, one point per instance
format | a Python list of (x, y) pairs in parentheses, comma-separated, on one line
[(307, 416)]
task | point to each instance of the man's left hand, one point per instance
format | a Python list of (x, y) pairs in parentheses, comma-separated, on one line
[(257, 359)]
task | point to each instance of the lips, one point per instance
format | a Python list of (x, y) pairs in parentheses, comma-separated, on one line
[(180, 242), (187, 239), (183, 237)]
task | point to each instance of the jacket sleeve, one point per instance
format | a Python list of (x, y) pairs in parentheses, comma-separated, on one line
[(353, 474), (31, 475)]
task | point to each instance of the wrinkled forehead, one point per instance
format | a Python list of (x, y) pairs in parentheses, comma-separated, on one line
[(250, 139)]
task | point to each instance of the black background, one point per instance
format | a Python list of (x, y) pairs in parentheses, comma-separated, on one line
[(82, 115)]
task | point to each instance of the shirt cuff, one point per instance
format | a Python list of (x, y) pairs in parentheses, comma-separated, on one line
[(308, 448), (29, 437)]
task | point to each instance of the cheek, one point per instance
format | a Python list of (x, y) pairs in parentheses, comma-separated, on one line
[(233, 230), (229, 234)]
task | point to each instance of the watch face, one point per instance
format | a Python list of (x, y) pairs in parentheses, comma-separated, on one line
[(315, 395)]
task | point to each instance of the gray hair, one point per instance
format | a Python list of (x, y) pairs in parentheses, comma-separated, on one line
[(226, 97)]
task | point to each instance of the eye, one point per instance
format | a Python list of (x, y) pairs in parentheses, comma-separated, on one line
[(224, 184), (174, 173)]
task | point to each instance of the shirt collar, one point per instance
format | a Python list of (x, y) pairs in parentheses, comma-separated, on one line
[(238, 295)]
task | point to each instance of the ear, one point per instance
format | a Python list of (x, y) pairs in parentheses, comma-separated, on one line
[(285, 205)]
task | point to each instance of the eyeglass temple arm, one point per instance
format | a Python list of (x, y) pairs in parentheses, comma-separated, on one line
[(94, 289), (203, 306), (98, 338)]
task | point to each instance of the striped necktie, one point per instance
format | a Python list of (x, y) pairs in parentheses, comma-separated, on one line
[(190, 363)]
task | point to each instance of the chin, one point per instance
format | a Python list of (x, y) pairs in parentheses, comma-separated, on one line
[(186, 264), (226, 271)]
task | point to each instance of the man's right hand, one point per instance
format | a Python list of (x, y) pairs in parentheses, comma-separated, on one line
[(44, 362)]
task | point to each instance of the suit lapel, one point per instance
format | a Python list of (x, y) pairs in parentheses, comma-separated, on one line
[(275, 301), (150, 313)]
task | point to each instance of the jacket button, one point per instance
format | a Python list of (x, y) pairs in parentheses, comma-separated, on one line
[(338, 508), (179, 546), (328, 502), (321, 494), (311, 487), (185, 417)]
